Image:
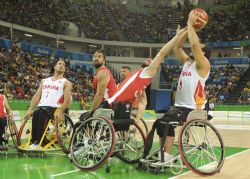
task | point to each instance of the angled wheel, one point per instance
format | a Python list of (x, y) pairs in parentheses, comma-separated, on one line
[(201, 147), (13, 132), (24, 134), (64, 132), (130, 144), (92, 143)]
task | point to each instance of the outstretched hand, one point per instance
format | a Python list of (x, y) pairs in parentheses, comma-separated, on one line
[(180, 31), (193, 16)]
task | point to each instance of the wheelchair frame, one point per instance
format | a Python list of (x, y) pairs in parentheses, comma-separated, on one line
[(57, 133), (10, 131), (196, 150), (96, 140)]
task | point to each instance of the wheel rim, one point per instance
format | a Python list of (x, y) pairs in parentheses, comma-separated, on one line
[(64, 132), (92, 143), (130, 144), (201, 147), (13, 132)]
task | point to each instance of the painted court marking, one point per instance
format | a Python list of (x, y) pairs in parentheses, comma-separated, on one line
[(64, 173), (231, 156), (233, 127), (72, 171)]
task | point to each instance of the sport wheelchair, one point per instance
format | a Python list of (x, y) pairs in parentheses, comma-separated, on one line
[(10, 131), (56, 136), (200, 149), (109, 132)]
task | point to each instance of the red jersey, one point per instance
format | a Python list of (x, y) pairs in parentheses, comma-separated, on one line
[(2, 108), (131, 88), (111, 87)]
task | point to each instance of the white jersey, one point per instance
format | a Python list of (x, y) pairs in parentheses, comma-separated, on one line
[(52, 92), (190, 90)]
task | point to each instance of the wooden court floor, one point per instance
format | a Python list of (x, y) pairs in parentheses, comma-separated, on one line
[(235, 133)]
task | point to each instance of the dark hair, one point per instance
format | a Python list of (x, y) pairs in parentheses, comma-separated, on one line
[(102, 52), (127, 67), (144, 64), (54, 64)]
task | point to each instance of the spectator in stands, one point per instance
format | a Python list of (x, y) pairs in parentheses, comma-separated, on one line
[(219, 55), (245, 96), (123, 24)]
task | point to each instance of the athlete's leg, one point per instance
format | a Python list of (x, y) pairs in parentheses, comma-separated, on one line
[(35, 126), (3, 123)]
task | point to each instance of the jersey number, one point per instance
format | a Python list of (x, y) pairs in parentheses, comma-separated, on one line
[(180, 84)]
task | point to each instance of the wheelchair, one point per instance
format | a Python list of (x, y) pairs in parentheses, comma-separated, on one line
[(200, 149), (10, 132), (56, 136), (108, 133)]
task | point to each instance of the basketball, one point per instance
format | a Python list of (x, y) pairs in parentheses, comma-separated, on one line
[(202, 20)]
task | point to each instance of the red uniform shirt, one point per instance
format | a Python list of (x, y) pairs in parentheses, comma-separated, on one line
[(111, 87), (131, 88), (2, 108)]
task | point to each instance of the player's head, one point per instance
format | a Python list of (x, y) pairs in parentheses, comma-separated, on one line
[(99, 59), (125, 71), (146, 62), (206, 51), (60, 66)]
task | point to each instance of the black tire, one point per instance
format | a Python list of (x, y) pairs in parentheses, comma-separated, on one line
[(130, 144), (145, 126), (64, 132), (93, 143), (203, 150)]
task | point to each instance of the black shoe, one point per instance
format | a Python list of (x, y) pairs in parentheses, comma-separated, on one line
[(209, 117)]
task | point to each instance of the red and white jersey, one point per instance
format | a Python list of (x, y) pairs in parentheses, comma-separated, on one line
[(190, 91), (111, 87), (132, 87), (52, 92), (2, 107)]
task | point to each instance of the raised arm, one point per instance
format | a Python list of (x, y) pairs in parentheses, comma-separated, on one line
[(152, 68), (178, 48), (103, 79), (202, 63)]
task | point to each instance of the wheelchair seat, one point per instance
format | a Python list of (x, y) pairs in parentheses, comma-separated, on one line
[(109, 113), (195, 114), (108, 132), (119, 114)]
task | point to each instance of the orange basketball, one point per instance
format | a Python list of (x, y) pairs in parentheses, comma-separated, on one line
[(202, 20)]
